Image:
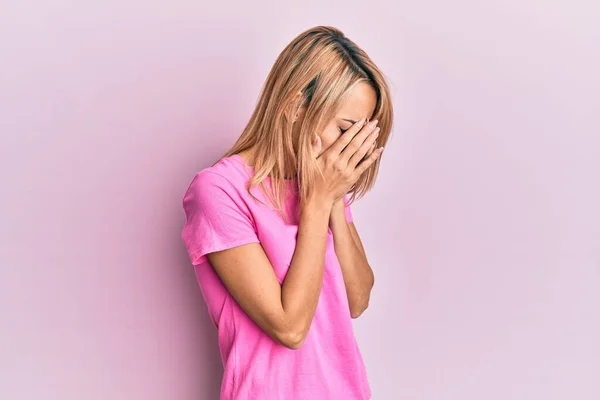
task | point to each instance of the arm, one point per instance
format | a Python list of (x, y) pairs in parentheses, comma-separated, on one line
[(358, 275), (284, 312)]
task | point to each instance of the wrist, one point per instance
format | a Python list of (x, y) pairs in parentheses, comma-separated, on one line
[(339, 203), (338, 207), (338, 212), (319, 203)]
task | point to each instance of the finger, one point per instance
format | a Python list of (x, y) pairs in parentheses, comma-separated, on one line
[(358, 141), (368, 162), (341, 143), (371, 149), (367, 146)]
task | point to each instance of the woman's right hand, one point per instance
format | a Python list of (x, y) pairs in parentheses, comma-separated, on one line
[(344, 162)]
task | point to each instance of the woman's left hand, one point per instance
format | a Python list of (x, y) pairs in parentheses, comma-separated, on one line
[(340, 203)]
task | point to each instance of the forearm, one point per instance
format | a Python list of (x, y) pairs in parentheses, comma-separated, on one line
[(302, 285), (358, 275)]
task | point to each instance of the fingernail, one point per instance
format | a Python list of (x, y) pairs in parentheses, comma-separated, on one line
[(376, 132), (380, 150), (361, 122), (373, 123)]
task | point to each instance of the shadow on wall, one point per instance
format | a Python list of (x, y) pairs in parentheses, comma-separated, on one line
[(205, 371), (207, 124)]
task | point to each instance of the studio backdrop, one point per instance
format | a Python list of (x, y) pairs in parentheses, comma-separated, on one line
[(483, 228)]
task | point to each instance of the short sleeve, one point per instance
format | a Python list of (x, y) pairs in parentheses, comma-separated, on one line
[(347, 209), (217, 217)]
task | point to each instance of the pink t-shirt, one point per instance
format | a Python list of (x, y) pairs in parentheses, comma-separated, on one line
[(221, 214)]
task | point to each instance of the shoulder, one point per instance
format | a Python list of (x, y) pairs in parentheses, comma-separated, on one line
[(226, 174), (217, 215), (225, 181)]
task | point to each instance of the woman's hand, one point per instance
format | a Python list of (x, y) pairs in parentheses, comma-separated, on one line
[(345, 161)]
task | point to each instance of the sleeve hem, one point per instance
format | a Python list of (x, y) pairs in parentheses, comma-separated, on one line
[(198, 257)]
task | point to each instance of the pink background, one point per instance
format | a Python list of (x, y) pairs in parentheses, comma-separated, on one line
[(483, 229)]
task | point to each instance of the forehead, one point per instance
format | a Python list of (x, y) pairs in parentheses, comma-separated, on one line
[(359, 103)]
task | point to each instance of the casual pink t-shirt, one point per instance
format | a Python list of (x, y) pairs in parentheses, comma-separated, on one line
[(221, 214)]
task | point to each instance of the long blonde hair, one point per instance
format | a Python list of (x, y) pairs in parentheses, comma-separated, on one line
[(324, 65)]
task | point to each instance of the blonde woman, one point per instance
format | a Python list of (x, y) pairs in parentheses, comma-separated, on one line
[(270, 231)]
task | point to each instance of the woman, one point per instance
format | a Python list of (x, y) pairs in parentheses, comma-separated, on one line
[(270, 232)]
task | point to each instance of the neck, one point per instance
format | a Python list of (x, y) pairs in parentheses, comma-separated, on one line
[(249, 155)]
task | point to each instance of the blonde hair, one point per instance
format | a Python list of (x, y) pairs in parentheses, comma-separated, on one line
[(324, 65)]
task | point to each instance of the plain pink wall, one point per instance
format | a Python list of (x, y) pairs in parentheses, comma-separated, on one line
[(483, 229)]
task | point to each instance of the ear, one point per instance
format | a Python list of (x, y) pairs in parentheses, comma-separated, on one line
[(316, 145), (299, 113), (301, 108)]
